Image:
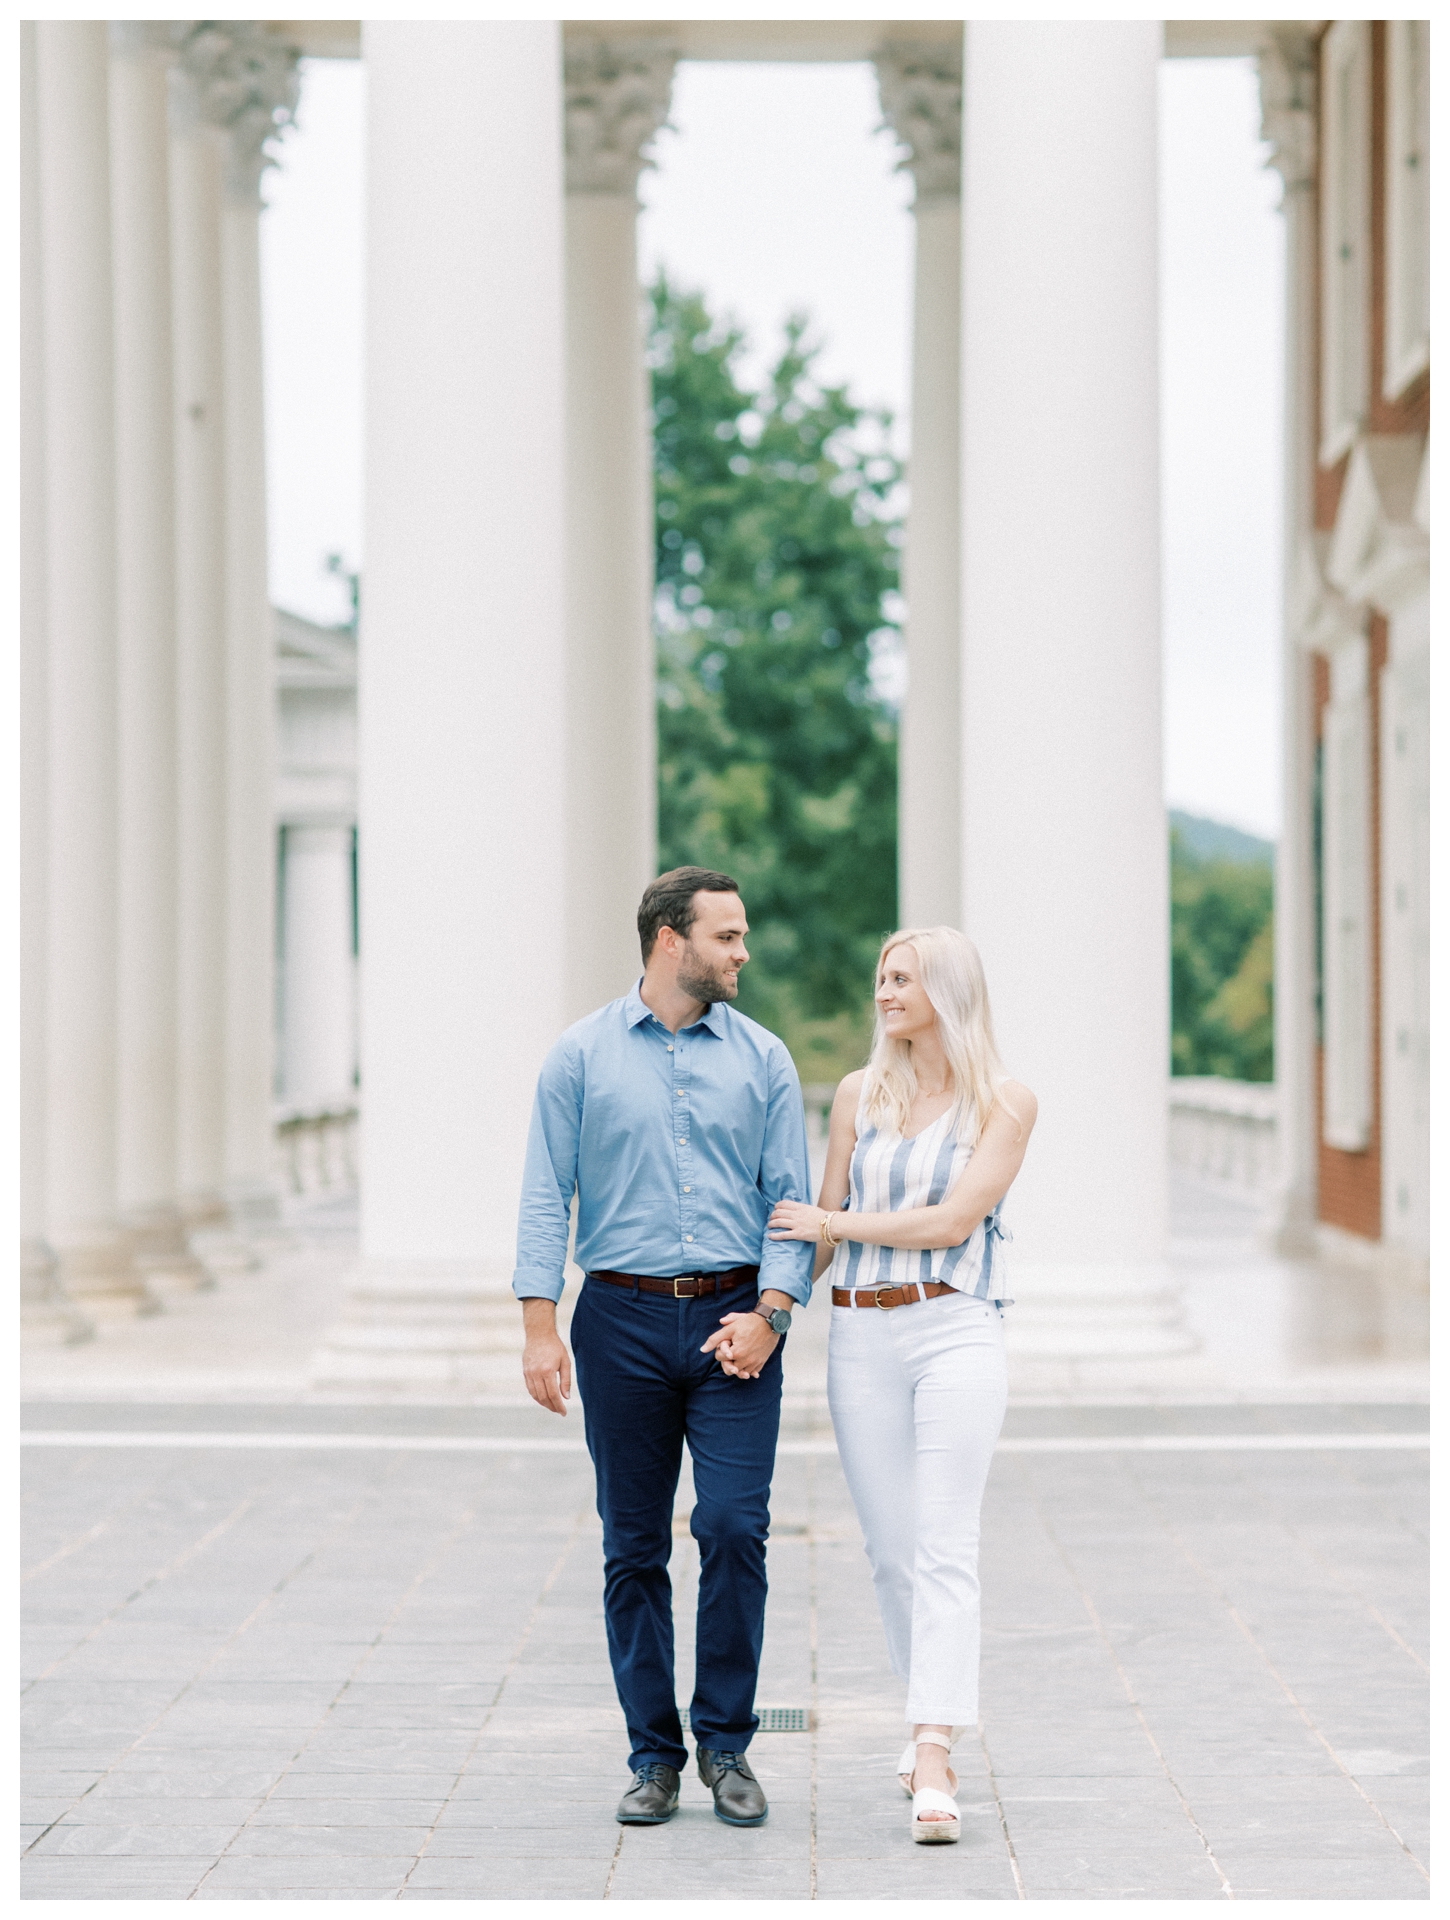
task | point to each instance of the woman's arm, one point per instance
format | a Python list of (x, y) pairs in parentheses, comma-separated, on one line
[(986, 1177), (836, 1182)]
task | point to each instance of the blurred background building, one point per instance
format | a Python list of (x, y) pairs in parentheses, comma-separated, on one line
[(275, 875)]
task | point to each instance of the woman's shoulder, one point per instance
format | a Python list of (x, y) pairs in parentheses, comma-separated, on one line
[(847, 1104), (849, 1090), (1018, 1100)]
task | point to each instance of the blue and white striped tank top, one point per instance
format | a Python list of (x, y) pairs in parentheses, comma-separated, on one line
[(889, 1172)]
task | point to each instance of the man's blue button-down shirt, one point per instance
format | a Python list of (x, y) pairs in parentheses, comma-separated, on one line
[(679, 1145)]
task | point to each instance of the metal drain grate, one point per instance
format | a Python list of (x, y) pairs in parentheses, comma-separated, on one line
[(772, 1719)]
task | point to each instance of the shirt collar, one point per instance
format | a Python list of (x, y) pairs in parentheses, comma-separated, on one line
[(636, 1012)]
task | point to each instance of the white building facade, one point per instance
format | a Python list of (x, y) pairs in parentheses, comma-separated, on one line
[(505, 665)]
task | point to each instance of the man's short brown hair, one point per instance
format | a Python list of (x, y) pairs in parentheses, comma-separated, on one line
[(670, 902)]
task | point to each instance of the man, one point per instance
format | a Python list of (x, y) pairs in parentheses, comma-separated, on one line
[(680, 1124)]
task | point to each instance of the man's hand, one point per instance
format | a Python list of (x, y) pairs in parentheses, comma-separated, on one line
[(546, 1358), (745, 1341)]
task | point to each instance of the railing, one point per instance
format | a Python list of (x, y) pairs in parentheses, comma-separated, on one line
[(1226, 1129), (316, 1149)]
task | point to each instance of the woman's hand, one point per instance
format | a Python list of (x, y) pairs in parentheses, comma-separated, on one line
[(794, 1220)]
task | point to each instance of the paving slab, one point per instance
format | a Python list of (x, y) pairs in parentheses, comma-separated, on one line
[(319, 1673)]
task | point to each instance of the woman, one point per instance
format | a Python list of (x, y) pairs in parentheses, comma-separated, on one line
[(926, 1139)]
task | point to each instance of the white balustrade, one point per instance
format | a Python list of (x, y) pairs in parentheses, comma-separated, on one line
[(1225, 1129), (315, 1150)]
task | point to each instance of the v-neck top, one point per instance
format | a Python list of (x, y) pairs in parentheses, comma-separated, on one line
[(890, 1172)]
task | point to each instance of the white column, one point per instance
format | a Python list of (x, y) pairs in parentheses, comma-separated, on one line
[(1288, 79), (921, 97), (1064, 834), (80, 535), (146, 649), (616, 95), (235, 84), (196, 175), (461, 674), (45, 1312), (317, 970), (261, 81)]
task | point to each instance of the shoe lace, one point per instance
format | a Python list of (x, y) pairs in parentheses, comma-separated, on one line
[(653, 1773), (728, 1762)]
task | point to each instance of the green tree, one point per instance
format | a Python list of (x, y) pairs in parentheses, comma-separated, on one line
[(776, 551), (1223, 965)]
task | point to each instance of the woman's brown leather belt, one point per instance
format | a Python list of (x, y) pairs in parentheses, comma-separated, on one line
[(906, 1296), (684, 1286)]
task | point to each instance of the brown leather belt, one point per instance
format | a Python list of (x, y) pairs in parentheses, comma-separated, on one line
[(683, 1286), (906, 1296)]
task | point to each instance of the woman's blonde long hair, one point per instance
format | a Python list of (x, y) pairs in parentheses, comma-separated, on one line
[(951, 973)]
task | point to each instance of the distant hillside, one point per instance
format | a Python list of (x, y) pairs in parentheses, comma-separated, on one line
[(1212, 840)]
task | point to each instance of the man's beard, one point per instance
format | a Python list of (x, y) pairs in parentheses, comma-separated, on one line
[(701, 982)]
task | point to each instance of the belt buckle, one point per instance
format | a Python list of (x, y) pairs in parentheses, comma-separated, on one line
[(686, 1277), (876, 1293)]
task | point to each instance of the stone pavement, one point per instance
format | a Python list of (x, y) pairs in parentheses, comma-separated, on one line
[(287, 1666)]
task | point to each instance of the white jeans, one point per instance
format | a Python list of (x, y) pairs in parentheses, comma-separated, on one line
[(917, 1395)]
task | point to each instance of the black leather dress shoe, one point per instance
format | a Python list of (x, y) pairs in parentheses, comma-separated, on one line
[(653, 1799), (739, 1796)]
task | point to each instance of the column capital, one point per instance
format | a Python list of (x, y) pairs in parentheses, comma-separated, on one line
[(238, 77), (1288, 103), (616, 98), (921, 101)]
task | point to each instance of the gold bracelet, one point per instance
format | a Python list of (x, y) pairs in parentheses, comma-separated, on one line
[(828, 1238)]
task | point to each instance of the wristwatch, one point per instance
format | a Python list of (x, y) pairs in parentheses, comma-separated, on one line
[(778, 1317)]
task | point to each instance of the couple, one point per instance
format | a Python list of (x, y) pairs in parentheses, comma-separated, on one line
[(679, 1124)]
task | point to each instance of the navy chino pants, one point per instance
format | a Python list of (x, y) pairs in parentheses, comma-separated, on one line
[(647, 1390)]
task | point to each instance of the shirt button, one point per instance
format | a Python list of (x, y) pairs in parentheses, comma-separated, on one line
[(679, 1093), (687, 1189), (669, 1049), (682, 1139), (689, 1236)]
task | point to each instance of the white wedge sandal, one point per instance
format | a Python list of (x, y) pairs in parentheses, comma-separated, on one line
[(930, 1799)]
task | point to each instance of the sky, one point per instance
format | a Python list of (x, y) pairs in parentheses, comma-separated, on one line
[(775, 189)]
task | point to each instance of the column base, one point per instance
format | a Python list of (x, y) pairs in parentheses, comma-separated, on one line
[(256, 1216), (95, 1268), (47, 1317), (1290, 1225), (1097, 1313), (212, 1239), (426, 1325), (159, 1248), (1392, 1264), (1382, 1291), (254, 1208)]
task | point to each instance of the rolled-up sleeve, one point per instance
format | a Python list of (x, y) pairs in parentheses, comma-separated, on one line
[(551, 1167), (785, 1174)]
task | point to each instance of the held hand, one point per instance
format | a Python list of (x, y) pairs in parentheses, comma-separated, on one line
[(795, 1220), (546, 1369), (743, 1345)]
